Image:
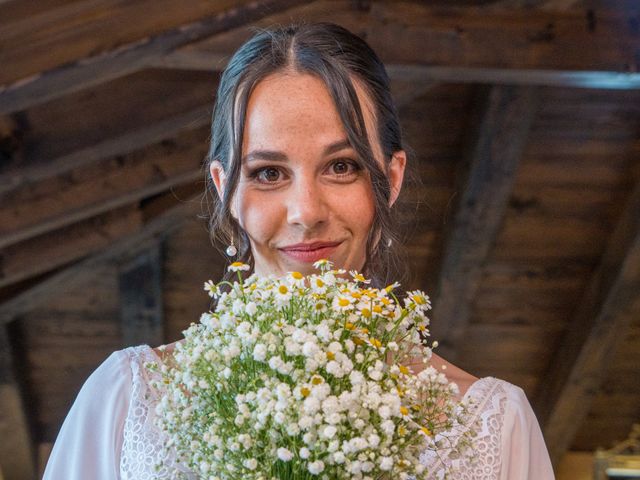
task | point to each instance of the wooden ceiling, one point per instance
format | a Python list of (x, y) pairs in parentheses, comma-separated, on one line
[(523, 119)]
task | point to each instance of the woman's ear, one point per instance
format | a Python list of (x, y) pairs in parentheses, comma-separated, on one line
[(218, 176), (396, 174)]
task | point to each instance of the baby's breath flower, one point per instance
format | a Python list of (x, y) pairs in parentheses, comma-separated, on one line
[(295, 370)]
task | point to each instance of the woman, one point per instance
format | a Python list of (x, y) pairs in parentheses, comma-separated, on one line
[(307, 162)]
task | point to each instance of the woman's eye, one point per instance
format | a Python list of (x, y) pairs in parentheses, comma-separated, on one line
[(266, 175), (344, 167)]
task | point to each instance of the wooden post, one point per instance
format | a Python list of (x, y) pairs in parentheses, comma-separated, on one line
[(17, 460), (485, 180), (580, 361), (140, 286)]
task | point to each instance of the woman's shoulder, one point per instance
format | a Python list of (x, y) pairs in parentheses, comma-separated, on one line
[(125, 367)]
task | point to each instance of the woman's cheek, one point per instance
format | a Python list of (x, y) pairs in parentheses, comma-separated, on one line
[(259, 215)]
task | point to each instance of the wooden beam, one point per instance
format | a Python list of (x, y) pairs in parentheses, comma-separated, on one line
[(141, 308), (408, 81), (485, 179), (419, 74), (576, 40), (54, 249), (599, 323), (128, 58), (28, 211), (111, 147), (122, 249), (17, 457), (524, 77)]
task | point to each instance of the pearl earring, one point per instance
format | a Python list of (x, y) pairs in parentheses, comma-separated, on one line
[(231, 250), (389, 242)]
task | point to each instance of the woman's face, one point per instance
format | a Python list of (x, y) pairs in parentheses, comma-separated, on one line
[(302, 193)]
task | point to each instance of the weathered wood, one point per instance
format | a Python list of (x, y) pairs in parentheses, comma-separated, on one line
[(191, 59), (406, 87), (521, 76), (17, 458), (128, 58), (580, 362), (59, 247), (485, 39), (415, 33), (141, 306), (111, 147), (485, 180), (121, 250), (110, 185), (44, 34)]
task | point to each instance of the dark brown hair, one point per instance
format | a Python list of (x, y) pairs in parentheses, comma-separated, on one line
[(337, 57)]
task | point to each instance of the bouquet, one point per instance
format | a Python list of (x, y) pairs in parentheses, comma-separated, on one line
[(302, 377)]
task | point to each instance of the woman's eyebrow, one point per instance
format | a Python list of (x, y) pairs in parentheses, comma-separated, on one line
[(276, 156), (270, 155)]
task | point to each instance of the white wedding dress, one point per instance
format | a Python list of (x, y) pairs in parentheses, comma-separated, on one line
[(109, 432)]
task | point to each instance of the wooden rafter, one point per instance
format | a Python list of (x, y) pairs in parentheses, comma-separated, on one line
[(129, 58), (52, 250), (29, 214), (110, 147), (416, 33), (17, 459), (212, 61), (607, 307), (484, 182), (468, 41), (121, 250)]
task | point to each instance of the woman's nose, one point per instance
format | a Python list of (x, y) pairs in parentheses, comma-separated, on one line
[(306, 205)]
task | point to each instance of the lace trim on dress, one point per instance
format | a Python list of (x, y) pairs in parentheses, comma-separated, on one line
[(143, 443), (489, 398), (142, 448)]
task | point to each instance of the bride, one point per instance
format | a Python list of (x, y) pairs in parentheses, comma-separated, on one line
[(306, 162)]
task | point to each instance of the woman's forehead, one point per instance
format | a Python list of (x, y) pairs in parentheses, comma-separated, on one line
[(290, 105)]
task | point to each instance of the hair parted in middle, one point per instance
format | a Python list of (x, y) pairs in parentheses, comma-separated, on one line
[(338, 58)]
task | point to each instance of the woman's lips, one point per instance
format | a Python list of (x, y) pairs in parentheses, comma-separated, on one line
[(309, 253)]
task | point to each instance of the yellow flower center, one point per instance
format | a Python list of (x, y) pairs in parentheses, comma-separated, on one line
[(377, 308), (283, 289), (426, 431), (404, 369), (349, 326), (375, 343), (319, 283), (419, 299), (343, 302), (366, 312), (331, 355), (305, 391), (404, 410), (316, 380), (297, 275)]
